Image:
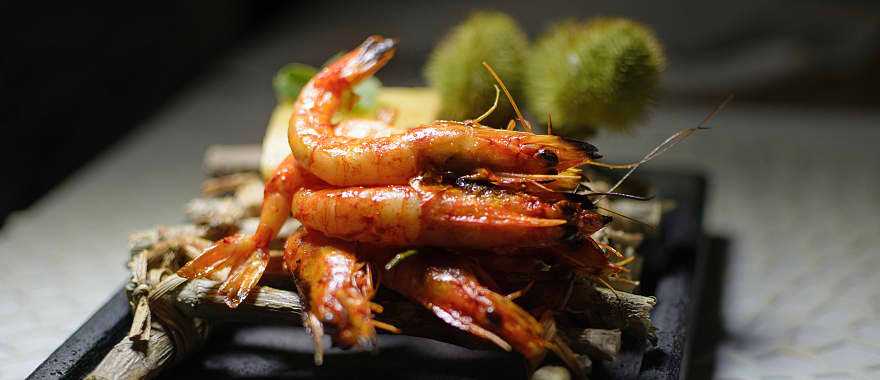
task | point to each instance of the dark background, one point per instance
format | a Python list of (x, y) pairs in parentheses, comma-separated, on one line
[(77, 76)]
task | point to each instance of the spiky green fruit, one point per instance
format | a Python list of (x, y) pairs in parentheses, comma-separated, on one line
[(602, 74), (456, 72)]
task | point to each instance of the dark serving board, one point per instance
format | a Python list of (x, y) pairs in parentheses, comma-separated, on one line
[(250, 351)]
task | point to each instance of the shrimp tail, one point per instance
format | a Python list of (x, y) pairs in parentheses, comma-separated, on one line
[(373, 53), (244, 278), (217, 257), (238, 253), (359, 64)]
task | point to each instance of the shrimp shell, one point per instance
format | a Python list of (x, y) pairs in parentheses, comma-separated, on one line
[(440, 215)]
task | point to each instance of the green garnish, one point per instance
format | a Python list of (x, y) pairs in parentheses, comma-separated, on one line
[(399, 257), (290, 80)]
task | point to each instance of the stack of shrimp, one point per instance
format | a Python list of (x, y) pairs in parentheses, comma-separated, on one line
[(467, 204)]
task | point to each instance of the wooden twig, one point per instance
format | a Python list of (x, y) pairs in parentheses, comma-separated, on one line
[(200, 299), (608, 309), (215, 212), (228, 159), (551, 372), (229, 183), (148, 239), (597, 343), (160, 333), (139, 360)]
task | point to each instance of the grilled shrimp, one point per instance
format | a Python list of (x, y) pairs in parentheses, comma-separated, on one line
[(441, 215), (338, 287), (394, 159), (448, 285)]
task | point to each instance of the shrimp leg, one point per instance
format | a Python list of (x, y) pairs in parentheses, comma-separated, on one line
[(394, 159)]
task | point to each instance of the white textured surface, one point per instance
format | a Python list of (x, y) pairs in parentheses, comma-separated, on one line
[(795, 191)]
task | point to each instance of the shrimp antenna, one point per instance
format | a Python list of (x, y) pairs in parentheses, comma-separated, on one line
[(549, 124), (622, 195), (492, 109), (612, 166), (668, 143), (607, 285), (519, 115), (671, 141), (631, 219), (625, 262), (608, 247)]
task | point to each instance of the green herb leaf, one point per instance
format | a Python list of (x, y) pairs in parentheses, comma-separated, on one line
[(368, 93), (290, 80)]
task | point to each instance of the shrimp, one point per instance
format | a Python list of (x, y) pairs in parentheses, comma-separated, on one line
[(338, 287), (448, 285), (395, 159), (433, 214)]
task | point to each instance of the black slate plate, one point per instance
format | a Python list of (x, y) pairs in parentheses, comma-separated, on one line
[(269, 352)]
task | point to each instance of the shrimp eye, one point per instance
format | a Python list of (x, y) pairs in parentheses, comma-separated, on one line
[(547, 155)]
